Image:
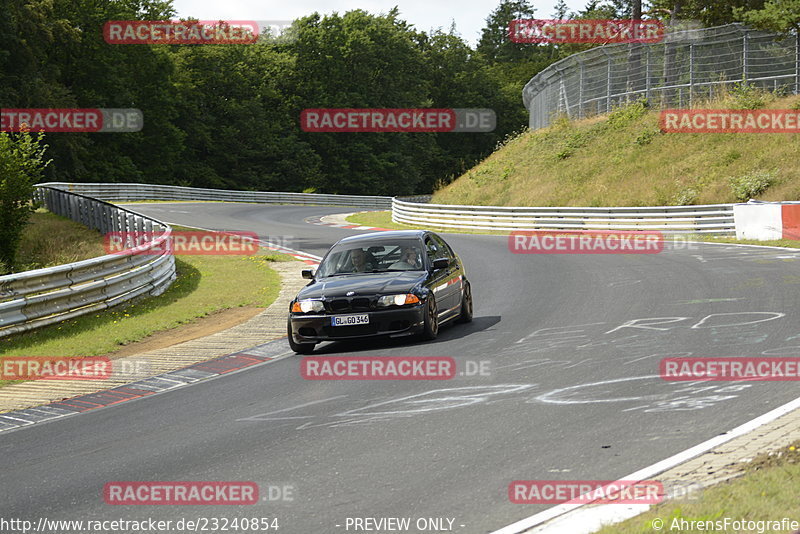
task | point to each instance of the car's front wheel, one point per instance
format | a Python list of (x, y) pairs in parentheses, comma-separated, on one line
[(430, 326), (299, 348)]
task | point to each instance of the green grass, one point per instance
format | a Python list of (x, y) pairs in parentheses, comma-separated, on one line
[(383, 219), (50, 240), (203, 287), (380, 219), (623, 159), (768, 491), (786, 243)]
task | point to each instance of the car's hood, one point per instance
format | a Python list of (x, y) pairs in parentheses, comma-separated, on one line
[(363, 284)]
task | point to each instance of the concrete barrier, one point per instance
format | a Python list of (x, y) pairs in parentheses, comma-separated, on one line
[(765, 221)]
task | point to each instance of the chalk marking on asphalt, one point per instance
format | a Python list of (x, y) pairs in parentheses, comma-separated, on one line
[(541, 331), (777, 315), (259, 417)]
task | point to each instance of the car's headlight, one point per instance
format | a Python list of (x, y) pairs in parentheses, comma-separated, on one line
[(308, 305), (397, 300)]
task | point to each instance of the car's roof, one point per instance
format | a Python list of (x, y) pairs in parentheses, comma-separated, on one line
[(384, 236)]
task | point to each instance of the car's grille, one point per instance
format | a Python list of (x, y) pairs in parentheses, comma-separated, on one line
[(360, 304), (339, 305), (347, 305)]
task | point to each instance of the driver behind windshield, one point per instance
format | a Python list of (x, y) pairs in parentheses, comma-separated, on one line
[(361, 261)]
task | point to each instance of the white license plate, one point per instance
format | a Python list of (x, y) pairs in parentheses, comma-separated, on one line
[(349, 320)]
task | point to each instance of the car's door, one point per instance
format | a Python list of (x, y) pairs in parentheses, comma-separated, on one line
[(454, 277), (439, 284)]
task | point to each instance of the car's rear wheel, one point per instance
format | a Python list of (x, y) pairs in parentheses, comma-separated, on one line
[(299, 348), (466, 305), (430, 327)]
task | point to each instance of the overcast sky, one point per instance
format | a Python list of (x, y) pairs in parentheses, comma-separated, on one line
[(469, 15)]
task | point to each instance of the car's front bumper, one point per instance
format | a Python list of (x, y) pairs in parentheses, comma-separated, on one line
[(396, 322)]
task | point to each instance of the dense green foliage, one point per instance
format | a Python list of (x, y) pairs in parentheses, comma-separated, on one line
[(227, 116), (21, 164)]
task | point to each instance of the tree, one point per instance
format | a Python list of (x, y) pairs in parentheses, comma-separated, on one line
[(776, 15), (460, 79), (495, 44), (561, 10), (708, 12), (359, 60), (21, 166)]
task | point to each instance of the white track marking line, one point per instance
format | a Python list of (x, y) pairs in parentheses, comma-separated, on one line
[(591, 520)]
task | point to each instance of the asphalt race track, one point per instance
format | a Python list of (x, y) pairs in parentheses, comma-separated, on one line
[(572, 342)]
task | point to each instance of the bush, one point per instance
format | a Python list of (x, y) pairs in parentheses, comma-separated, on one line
[(626, 114), (748, 96), (751, 185), (21, 167), (646, 136), (686, 197)]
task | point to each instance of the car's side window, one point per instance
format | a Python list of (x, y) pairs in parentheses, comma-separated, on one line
[(444, 250), (431, 249)]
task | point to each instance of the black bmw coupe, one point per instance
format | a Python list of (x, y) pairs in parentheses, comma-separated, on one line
[(394, 284)]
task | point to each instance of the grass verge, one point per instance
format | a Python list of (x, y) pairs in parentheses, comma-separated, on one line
[(49, 240), (786, 243), (624, 159), (766, 492), (383, 219), (203, 287)]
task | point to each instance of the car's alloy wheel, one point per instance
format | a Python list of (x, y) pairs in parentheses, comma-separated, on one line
[(299, 348), (431, 323), (466, 305)]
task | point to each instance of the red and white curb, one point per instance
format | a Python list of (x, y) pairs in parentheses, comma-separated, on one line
[(148, 387)]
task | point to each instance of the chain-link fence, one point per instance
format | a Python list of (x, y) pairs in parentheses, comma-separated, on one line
[(686, 66)]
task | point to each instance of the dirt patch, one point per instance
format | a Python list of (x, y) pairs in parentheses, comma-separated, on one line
[(784, 456), (204, 326)]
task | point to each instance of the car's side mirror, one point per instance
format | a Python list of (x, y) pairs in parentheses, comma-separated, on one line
[(308, 273), (441, 263)]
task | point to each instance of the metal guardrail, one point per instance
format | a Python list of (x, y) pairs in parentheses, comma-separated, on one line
[(686, 66), (707, 219), (41, 297), (131, 192)]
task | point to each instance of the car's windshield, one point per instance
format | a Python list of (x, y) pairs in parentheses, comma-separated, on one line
[(397, 255)]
